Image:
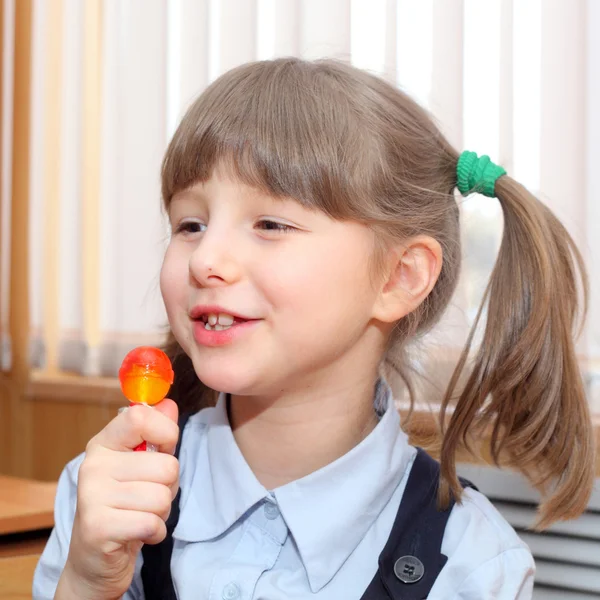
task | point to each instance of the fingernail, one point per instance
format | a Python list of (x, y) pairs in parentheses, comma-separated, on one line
[(123, 409)]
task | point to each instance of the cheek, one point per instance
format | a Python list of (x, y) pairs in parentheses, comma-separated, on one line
[(173, 277), (321, 285), (291, 280)]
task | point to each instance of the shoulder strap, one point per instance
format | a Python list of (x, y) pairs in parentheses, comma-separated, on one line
[(412, 557), (156, 569)]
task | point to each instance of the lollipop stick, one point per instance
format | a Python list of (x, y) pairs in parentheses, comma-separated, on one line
[(145, 447)]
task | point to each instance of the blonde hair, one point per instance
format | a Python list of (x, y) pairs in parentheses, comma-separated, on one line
[(348, 143)]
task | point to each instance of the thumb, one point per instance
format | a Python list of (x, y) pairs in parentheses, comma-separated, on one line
[(168, 408)]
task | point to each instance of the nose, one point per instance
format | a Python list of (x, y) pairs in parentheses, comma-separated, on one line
[(213, 262)]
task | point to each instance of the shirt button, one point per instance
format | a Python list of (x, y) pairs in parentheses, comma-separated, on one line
[(271, 511), (409, 569), (231, 591)]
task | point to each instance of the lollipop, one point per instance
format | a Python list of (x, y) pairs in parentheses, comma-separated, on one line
[(146, 376)]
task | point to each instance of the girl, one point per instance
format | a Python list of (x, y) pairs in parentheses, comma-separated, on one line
[(315, 233)]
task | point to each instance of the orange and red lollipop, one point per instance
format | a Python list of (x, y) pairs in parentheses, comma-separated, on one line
[(146, 376)]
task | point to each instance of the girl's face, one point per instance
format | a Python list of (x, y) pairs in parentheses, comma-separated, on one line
[(298, 282)]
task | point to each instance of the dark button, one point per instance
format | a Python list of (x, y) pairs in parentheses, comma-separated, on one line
[(409, 569)]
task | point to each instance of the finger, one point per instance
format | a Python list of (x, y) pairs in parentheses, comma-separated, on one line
[(151, 467), (139, 423), (168, 408), (134, 526), (142, 496)]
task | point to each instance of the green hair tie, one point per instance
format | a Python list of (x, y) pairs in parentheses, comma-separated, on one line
[(477, 174)]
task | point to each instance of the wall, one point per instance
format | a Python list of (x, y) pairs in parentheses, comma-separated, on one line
[(50, 422)]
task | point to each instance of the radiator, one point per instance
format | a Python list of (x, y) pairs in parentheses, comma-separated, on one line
[(567, 555)]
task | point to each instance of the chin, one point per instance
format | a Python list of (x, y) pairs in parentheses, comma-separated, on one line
[(226, 379)]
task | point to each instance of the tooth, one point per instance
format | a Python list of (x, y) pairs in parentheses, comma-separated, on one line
[(219, 327), (207, 326), (212, 319), (225, 319)]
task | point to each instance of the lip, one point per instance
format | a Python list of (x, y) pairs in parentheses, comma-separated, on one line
[(206, 309), (212, 339)]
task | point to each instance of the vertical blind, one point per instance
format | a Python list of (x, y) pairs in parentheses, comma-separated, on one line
[(519, 81), (6, 101)]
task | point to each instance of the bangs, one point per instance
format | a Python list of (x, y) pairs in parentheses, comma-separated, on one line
[(285, 127)]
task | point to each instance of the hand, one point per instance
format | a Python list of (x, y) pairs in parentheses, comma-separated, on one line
[(123, 501)]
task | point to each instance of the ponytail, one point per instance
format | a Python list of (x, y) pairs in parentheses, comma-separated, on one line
[(525, 387)]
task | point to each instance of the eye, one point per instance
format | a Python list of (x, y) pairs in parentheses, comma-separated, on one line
[(190, 227), (274, 226)]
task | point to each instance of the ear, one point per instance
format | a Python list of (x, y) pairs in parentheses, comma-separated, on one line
[(413, 268)]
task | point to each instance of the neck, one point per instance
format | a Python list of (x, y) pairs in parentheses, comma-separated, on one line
[(287, 437)]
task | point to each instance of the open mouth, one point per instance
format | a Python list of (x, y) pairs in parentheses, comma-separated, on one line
[(219, 321)]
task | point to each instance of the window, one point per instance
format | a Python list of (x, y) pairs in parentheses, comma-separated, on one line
[(511, 79)]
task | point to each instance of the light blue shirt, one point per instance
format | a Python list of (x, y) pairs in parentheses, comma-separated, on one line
[(318, 537)]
